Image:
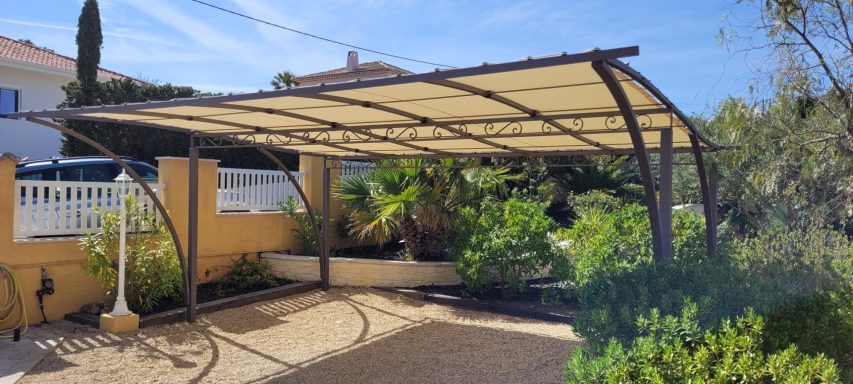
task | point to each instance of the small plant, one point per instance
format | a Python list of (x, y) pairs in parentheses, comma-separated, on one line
[(304, 227), (676, 350), (153, 271), (509, 242), (246, 274)]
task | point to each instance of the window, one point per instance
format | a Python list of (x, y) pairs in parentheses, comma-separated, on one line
[(8, 101), (147, 173), (88, 173)]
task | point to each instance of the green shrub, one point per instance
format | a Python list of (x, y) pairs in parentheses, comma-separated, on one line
[(822, 323), (676, 350), (153, 272), (508, 242), (304, 226), (607, 237), (751, 273), (246, 274)]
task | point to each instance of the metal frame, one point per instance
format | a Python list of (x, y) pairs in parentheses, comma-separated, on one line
[(135, 176), (405, 134)]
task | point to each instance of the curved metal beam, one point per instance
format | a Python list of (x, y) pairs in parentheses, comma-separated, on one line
[(642, 80), (710, 222), (513, 104), (314, 225), (649, 195), (135, 176)]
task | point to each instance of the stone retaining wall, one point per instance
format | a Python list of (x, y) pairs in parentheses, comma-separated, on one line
[(365, 272)]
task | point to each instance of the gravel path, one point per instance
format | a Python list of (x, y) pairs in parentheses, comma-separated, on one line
[(345, 335)]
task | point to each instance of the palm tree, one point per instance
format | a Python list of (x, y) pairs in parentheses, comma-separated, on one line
[(284, 79), (417, 200)]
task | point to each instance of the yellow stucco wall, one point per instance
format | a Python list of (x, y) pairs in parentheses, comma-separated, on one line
[(222, 237)]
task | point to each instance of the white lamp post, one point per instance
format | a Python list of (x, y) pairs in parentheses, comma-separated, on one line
[(122, 185)]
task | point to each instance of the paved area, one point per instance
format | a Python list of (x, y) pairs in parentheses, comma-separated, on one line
[(16, 358), (346, 335)]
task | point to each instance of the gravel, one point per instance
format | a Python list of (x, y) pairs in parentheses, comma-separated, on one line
[(353, 335)]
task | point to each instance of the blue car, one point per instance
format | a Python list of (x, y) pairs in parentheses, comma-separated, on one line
[(89, 169)]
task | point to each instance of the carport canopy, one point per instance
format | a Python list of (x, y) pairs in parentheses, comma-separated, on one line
[(569, 104), (558, 105)]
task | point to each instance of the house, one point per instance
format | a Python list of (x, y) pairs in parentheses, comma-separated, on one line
[(30, 79), (352, 71)]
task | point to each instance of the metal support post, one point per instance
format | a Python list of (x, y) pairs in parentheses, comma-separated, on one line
[(192, 236), (665, 191), (324, 246)]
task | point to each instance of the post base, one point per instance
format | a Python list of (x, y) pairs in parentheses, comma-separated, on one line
[(119, 324)]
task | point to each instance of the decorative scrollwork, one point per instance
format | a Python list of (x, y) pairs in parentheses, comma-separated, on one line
[(644, 121), (462, 130), (516, 128), (322, 137), (610, 122), (273, 139), (413, 133), (348, 136), (577, 124)]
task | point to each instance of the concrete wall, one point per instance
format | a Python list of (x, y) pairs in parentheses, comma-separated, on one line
[(37, 90), (222, 238), (365, 272)]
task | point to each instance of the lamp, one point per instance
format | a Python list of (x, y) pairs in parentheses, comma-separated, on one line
[(122, 187)]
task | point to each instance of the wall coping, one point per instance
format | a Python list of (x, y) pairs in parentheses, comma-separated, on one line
[(248, 213), (48, 239), (182, 158), (282, 256)]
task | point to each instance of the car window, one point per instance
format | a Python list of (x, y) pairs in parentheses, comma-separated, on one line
[(88, 173), (46, 175), (146, 172)]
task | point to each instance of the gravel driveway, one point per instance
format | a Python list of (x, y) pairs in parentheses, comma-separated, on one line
[(345, 335)]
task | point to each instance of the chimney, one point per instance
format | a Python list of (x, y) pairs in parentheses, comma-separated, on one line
[(352, 61)]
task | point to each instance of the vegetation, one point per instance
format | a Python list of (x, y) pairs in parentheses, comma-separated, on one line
[(284, 79), (246, 274), (510, 240), (89, 41), (153, 272), (418, 201), (677, 350), (304, 230)]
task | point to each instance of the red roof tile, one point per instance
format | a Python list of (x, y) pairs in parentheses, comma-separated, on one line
[(22, 52)]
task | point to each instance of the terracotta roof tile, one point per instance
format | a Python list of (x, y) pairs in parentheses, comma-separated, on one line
[(369, 70), (17, 51)]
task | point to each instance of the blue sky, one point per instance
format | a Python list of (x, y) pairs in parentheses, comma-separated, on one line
[(185, 43)]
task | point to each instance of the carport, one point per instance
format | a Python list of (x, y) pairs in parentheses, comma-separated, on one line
[(589, 103)]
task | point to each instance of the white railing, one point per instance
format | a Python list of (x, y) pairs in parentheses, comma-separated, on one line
[(60, 208), (254, 189), (354, 168)]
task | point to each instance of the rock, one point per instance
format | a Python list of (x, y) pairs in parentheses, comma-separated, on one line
[(93, 308)]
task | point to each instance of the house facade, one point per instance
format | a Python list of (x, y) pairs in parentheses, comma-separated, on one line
[(353, 71), (31, 78)]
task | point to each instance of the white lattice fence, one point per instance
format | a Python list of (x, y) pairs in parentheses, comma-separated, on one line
[(57, 208), (253, 189)]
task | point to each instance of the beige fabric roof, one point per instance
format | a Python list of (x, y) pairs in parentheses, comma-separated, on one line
[(556, 106)]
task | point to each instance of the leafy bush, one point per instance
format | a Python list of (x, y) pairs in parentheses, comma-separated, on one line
[(153, 272), (763, 273), (509, 241), (246, 274), (304, 227), (676, 350), (608, 237), (822, 323)]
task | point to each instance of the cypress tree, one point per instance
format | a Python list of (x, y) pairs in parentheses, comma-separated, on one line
[(89, 41)]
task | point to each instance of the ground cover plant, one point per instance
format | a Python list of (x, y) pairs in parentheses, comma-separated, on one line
[(153, 272), (246, 274), (677, 350)]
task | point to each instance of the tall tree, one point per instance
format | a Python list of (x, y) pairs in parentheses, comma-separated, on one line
[(284, 79), (89, 41)]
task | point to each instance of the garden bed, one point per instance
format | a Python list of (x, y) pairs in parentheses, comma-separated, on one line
[(526, 304), (209, 301)]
